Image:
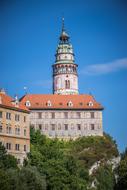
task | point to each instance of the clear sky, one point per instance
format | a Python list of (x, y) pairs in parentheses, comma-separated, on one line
[(29, 32)]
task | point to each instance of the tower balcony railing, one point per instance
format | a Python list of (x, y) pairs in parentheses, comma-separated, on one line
[(65, 72), (64, 61)]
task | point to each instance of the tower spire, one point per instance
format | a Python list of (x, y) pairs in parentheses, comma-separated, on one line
[(63, 24)]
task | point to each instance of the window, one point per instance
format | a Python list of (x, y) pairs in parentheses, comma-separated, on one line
[(53, 127), (66, 126), (40, 127), (0, 114), (16, 117), (92, 114), (70, 104), (1, 128), (92, 127), (78, 114), (78, 126), (59, 126), (72, 126), (53, 115), (24, 132), (8, 129), (28, 103), (90, 104), (46, 126), (65, 115), (46, 114), (17, 131), (8, 146), (25, 148), (85, 126), (8, 116), (39, 115), (24, 118), (17, 147), (48, 103), (67, 84)]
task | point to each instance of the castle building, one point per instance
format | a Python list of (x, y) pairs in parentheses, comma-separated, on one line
[(65, 114), (14, 126)]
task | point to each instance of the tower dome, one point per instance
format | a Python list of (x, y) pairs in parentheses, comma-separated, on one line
[(64, 37), (65, 78)]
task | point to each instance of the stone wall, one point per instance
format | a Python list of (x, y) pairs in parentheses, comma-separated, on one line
[(67, 124)]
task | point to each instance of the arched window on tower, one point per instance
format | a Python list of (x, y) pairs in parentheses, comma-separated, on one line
[(67, 84)]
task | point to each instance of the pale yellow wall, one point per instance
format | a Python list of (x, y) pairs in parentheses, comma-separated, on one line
[(13, 138)]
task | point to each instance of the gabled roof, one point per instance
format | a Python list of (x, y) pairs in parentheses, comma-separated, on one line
[(41, 101), (9, 103)]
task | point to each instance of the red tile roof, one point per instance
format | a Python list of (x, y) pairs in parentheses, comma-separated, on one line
[(40, 101), (8, 102)]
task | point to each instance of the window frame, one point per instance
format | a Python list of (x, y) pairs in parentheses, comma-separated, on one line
[(92, 126), (1, 114)]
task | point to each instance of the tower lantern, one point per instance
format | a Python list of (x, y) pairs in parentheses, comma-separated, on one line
[(65, 78)]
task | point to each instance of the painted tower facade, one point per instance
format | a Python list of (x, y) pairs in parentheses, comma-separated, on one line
[(65, 77)]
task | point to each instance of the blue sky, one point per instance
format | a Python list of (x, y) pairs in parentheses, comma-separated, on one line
[(98, 30)]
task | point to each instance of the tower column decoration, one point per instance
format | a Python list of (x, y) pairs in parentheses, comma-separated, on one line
[(65, 77)]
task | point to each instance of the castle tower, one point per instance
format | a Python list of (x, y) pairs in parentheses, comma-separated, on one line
[(65, 78)]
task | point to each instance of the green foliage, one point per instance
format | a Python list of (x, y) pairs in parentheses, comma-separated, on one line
[(64, 164), (25, 179), (53, 159), (14, 178), (4, 180), (122, 173), (6, 161), (92, 149), (28, 178), (105, 178)]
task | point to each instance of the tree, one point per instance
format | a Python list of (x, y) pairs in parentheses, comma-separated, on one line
[(66, 164), (105, 178), (26, 178), (6, 161), (53, 160), (4, 180), (122, 173)]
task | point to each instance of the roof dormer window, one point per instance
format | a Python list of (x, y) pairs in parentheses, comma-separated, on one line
[(90, 104), (28, 103), (49, 103), (80, 103), (70, 104)]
